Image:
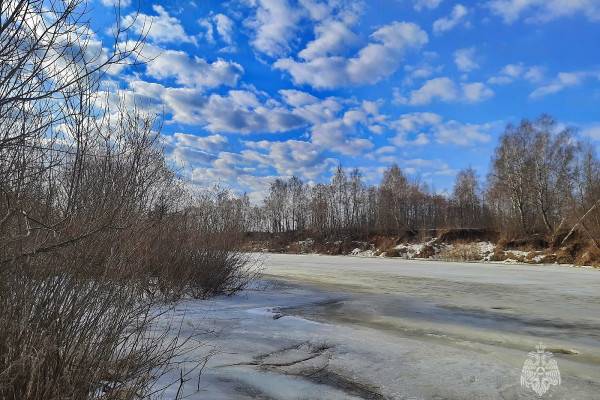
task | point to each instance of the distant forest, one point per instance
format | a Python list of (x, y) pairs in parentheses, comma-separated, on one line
[(541, 181)]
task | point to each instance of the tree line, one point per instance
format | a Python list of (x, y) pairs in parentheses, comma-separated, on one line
[(542, 181)]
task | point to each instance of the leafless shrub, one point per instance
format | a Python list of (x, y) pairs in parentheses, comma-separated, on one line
[(84, 189), (185, 255)]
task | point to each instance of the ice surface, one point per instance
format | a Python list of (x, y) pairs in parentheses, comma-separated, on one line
[(323, 327)]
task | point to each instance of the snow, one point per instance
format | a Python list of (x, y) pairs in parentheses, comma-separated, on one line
[(362, 253), (352, 328), (411, 249), (518, 253)]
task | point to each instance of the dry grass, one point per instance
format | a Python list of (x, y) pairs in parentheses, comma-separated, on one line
[(461, 252)]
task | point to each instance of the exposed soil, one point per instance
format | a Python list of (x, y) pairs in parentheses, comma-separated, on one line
[(446, 245)]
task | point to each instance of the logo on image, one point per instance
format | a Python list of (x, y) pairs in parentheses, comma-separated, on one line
[(540, 371)]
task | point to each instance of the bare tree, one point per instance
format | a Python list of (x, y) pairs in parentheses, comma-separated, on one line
[(467, 200)]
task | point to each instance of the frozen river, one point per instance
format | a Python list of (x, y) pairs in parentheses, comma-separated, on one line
[(324, 327)]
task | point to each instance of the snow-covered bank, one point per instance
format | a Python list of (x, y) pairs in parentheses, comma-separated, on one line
[(325, 327)]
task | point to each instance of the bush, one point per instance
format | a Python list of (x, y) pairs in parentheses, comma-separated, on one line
[(63, 337), (87, 205)]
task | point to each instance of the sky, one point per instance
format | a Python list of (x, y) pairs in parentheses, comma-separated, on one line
[(251, 90)]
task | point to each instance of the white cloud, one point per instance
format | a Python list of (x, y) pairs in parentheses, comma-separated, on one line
[(297, 98), (544, 10), (386, 150), (465, 59), (563, 81), (208, 27), (534, 74), (426, 4), (113, 3), (274, 25), (345, 132), (592, 132), (161, 28), (242, 112), (191, 150), (260, 162), (291, 157), (427, 168), (339, 136), (419, 128), (331, 37), (377, 60), (224, 27), (445, 90), (409, 128), (476, 92), (188, 71), (456, 17), (238, 111), (317, 10), (310, 108), (210, 143), (512, 72), (419, 72), (462, 134)]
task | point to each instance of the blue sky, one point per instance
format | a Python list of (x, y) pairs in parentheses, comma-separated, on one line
[(255, 89)]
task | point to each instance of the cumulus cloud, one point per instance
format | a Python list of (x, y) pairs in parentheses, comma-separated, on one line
[(465, 59), (457, 16), (339, 136), (310, 108), (563, 81), (426, 4), (443, 89), (274, 25), (410, 131), (160, 28), (297, 98), (419, 128), (512, 72), (544, 10), (345, 132), (192, 150), (210, 143), (190, 71), (237, 111), (291, 157), (113, 3), (260, 162), (224, 27), (242, 112), (462, 134), (317, 10), (446, 90), (476, 92), (331, 37), (374, 62), (419, 72)]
